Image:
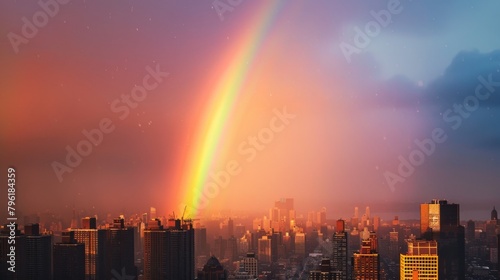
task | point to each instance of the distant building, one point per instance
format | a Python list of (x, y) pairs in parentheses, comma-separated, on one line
[(300, 244), (38, 253), (250, 264), (440, 221), (366, 262), (212, 270), (264, 249), (69, 258), (325, 272), (340, 251), (169, 253), (122, 248), (420, 262), (97, 246)]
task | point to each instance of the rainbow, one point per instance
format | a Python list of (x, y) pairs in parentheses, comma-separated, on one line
[(223, 98)]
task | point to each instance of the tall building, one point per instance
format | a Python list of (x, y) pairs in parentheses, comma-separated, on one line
[(212, 270), (440, 221), (230, 228), (169, 253), (366, 262), (97, 249), (420, 262), (340, 251), (250, 264), (38, 253), (325, 272), (69, 258), (19, 240), (122, 248), (264, 249), (300, 244)]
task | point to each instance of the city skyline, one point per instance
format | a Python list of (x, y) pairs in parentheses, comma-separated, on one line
[(226, 104)]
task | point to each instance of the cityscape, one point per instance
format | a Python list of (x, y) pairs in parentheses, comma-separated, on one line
[(249, 139), (282, 244)]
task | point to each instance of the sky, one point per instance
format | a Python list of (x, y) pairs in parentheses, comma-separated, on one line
[(233, 104)]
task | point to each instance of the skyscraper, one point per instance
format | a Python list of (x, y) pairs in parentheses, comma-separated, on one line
[(38, 253), (264, 249), (325, 271), (250, 264), (122, 248), (440, 221), (69, 258), (169, 253), (340, 251), (212, 270), (366, 263), (97, 249), (420, 262)]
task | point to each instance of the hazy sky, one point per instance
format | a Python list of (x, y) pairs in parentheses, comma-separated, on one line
[(363, 89)]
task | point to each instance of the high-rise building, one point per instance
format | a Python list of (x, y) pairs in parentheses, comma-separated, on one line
[(212, 270), (440, 221), (200, 245), (394, 246), (97, 249), (470, 231), (264, 249), (366, 262), (122, 248), (300, 244), (250, 264), (152, 213), (230, 228), (19, 254), (325, 272), (420, 262), (169, 253), (340, 251), (38, 253), (69, 258)]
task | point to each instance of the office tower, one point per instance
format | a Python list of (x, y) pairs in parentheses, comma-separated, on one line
[(231, 252), (97, 249), (421, 260), (212, 270), (230, 228), (152, 213), (264, 249), (470, 231), (250, 264), (169, 253), (324, 273), (69, 258), (276, 245), (376, 223), (200, 245), (19, 253), (122, 248), (394, 245), (38, 253), (89, 223), (366, 262), (356, 212), (440, 221), (367, 212), (220, 245), (239, 231), (340, 251), (494, 214), (300, 244)]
